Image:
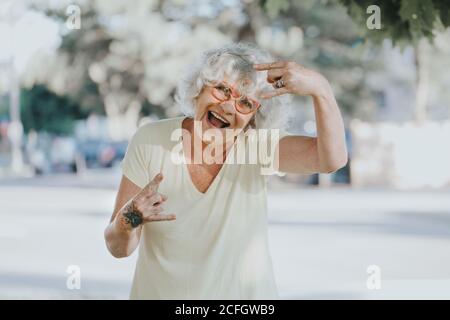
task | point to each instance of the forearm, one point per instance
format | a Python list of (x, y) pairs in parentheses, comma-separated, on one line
[(121, 239), (331, 146)]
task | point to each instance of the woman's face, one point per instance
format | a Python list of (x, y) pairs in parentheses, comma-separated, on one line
[(215, 114)]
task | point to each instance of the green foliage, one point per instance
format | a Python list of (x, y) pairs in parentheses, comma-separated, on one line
[(4, 107), (43, 110), (403, 21), (275, 7), (82, 48)]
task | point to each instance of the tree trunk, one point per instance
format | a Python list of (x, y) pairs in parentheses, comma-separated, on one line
[(121, 124), (422, 80), (15, 130)]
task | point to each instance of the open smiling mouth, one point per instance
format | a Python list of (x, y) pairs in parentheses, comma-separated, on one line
[(217, 121)]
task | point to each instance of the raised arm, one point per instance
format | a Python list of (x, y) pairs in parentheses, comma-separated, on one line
[(325, 153)]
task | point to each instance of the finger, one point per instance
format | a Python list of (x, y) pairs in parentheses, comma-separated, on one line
[(154, 184), (268, 66), (155, 198), (156, 204), (274, 93), (274, 74), (156, 210), (162, 217), (151, 211)]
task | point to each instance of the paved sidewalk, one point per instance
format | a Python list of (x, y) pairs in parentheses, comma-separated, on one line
[(322, 242)]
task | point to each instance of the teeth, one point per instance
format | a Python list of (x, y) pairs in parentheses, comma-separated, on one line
[(219, 117)]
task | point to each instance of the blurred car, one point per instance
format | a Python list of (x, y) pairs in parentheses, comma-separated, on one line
[(101, 153), (62, 154)]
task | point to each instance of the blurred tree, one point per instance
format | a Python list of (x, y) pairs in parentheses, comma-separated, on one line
[(405, 22), (91, 82), (128, 57), (408, 22), (43, 110), (331, 43)]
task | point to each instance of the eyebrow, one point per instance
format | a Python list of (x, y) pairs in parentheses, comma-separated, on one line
[(240, 95)]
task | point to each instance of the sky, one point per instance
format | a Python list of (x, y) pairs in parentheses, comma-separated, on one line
[(24, 33)]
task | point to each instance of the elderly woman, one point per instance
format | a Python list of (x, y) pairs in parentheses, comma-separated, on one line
[(210, 240)]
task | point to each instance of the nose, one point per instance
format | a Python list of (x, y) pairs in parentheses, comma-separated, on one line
[(228, 107)]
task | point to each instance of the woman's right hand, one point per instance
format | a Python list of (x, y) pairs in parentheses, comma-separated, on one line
[(121, 237), (148, 203)]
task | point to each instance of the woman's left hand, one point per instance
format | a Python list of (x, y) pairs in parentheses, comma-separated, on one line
[(295, 79)]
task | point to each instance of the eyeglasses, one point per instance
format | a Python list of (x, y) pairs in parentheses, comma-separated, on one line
[(224, 92)]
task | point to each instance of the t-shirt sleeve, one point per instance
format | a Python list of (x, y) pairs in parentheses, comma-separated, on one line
[(136, 161)]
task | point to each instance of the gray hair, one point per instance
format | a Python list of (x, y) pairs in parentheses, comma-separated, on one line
[(236, 61)]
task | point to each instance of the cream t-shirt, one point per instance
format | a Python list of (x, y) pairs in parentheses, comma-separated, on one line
[(217, 248)]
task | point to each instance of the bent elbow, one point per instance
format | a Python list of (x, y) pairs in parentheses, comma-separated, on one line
[(119, 254), (332, 168), (342, 163), (115, 250)]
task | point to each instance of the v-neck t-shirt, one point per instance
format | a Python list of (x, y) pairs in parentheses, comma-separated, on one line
[(217, 248)]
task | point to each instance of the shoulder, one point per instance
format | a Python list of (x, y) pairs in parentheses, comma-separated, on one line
[(155, 130)]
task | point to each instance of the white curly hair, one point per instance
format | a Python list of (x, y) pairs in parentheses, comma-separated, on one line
[(236, 62)]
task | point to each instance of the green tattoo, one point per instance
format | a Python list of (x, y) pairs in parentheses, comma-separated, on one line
[(132, 216)]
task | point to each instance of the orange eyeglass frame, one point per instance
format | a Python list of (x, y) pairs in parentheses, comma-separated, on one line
[(235, 97)]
